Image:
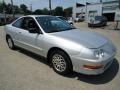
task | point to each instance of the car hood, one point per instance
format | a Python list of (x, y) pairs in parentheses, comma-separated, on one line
[(83, 37)]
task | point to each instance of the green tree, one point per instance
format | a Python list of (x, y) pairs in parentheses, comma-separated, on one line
[(23, 9), (9, 8), (28, 12), (16, 9), (2, 6), (45, 11), (68, 12), (53, 12), (38, 12), (59, 11)]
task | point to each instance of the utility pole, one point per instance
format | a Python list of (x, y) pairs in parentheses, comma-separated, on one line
[(100, 1), (31, 8), (12, 9), (50, 6), (119, 4), (117, 22)]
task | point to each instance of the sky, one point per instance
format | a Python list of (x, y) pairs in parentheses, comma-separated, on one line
[(40, 4)]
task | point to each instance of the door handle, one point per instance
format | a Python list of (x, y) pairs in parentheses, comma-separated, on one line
[(20, 32)]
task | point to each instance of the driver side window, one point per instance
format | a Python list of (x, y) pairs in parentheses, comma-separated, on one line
[(28, 23)]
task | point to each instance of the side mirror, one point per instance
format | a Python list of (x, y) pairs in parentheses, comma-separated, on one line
[(33, 30)]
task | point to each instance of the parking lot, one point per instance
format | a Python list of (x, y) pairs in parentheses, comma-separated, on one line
[(22, 70)]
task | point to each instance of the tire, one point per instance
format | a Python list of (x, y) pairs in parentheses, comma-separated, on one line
[(71, 23), (60, 62), (89, 25), (10, 42)]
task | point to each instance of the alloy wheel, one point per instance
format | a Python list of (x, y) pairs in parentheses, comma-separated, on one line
[(59, 63)]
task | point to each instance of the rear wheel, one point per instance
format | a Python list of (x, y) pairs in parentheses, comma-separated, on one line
[(71, 23), (10, 42), (61, 62)]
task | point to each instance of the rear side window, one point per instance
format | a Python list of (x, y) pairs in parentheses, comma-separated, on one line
[(18, 23)]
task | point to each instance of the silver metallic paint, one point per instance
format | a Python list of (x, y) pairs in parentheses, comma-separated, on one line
[(78, 44)]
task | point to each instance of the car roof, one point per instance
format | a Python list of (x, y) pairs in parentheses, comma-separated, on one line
[(36, 15), (31, 16), (58, 16)]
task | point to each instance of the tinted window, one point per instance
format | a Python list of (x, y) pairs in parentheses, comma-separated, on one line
[(18, 23), (53, 24), (98, 18), (63, 18), (28, 23)]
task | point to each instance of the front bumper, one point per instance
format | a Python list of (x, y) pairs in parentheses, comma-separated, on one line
[(78, 64)]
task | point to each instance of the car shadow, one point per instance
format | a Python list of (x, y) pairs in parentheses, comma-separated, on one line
[(33, 55), (95, 27), (106, 77)]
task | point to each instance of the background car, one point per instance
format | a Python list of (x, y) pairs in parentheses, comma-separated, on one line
[(79, 19), (65, 19), (98, 21)]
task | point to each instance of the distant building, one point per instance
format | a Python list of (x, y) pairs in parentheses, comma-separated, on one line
[(79, 10), (107, 9)]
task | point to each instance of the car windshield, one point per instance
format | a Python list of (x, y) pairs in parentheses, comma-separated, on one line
[(99, 17), (63, 18), (53, 24)]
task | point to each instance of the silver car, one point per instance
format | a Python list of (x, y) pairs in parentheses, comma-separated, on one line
[(65, 47)]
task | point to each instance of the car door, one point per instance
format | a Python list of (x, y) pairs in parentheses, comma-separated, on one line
[(15, 29), (27, 38)]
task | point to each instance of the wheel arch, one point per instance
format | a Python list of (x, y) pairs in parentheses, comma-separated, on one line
[(7, 35)]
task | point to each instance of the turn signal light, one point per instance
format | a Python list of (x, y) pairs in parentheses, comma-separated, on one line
[(92, 67)]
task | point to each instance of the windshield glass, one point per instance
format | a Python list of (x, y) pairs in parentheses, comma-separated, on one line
[(53, 24), (98, 18), (63, 18)]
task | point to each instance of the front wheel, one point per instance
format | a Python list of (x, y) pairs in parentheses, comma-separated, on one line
[(61, 62)]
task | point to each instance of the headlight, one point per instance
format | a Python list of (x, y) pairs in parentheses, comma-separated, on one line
[(99, 53), (92, 54)]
